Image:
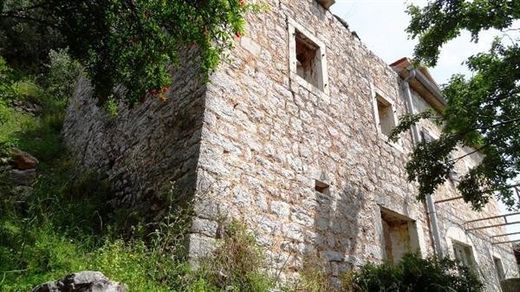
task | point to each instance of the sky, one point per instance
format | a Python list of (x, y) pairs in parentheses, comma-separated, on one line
[(381, 26)]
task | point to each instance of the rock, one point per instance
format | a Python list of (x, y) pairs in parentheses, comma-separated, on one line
[(23, 160), (85, 281), (27, 107), (23, 177)]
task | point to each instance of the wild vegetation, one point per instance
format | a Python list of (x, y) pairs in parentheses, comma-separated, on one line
[(133, 44), (414, 273), (63, 223)]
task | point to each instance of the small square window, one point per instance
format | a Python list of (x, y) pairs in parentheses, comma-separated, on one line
[(308, 62), (385, 115)]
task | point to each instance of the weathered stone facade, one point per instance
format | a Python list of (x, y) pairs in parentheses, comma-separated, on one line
[(307, 167), (145, 147)]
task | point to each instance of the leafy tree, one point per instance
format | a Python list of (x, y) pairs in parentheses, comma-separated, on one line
[(132, 43), (482, 111)]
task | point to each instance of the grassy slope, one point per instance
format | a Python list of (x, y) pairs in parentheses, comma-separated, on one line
[(64, 225)]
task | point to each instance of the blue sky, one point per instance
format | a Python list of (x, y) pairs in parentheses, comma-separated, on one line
[(381, 26)]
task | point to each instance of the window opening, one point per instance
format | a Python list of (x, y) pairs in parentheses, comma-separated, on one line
[(400, 235), (463, 254), (308, 60), (321, 187), (386, 116), (499, 268)]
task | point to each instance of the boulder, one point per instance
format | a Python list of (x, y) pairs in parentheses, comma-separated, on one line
[(85, 281), (23, 177), (23, 160)]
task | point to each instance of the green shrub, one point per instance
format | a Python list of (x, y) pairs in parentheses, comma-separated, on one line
[(62, 74), (414, 273), (236, 264), (314, 277)]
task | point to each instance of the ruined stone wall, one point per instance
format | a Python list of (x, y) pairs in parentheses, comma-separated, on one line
[(266, 139), (144, 147)]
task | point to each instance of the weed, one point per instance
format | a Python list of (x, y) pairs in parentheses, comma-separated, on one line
[(237, 263)]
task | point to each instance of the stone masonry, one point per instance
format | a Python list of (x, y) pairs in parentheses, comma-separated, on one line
[(305, 164)]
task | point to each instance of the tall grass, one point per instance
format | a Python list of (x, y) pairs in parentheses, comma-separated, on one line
[(64, 224)]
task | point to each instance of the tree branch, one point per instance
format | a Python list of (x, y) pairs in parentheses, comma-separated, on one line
[(28, 18), (468, 154), (502, 123), (502, 188)]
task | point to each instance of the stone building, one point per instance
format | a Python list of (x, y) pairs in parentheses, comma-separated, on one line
[(290, 136)]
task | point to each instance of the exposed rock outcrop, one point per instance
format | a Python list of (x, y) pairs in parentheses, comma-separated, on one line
[(23, 177), (85, 281)]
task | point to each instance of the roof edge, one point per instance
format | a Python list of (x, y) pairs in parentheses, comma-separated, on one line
[(422, 82)]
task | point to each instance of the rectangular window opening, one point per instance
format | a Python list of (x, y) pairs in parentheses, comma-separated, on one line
[(321, 187), (308, 60), (499, 268), (400, 235), (463, 254), (386, 116)]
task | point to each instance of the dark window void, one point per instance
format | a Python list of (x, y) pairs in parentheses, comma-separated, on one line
[(308, 60), (321, 187), (386, 115), (400, 235), (500, 268)]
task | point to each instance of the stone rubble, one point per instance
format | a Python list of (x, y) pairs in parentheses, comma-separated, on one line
[(85, 281)]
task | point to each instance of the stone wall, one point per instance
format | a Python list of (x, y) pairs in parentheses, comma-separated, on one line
[(305, 168), (266, 140), (144, 147)]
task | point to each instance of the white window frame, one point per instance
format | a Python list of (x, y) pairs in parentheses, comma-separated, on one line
[(323, 87)]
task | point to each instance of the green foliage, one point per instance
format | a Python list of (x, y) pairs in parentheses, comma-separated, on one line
[(313, 276), (111, 107), (128, 43), (413, 273), (61, 74), (442, 20), (236, 264), (482, 111)]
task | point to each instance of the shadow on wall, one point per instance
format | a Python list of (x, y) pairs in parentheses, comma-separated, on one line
[(145, 147), (336, 231)]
